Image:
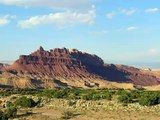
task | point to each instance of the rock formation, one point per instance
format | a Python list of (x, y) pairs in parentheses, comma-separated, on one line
[(75, 69), (54, 63)]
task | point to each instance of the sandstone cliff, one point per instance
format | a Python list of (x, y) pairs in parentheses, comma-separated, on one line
[(62, 67)]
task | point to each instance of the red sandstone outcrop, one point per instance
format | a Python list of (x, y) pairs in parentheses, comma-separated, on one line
[(76, 67), (57, 62)]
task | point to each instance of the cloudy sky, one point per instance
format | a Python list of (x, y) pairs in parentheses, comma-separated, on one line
[(119, 31)]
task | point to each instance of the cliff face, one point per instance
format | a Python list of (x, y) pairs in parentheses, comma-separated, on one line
[(57, 62), (76, 68)]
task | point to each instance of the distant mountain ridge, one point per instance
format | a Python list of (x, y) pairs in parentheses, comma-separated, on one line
[(71, 68)]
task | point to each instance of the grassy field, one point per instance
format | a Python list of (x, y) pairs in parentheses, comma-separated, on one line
[(80, 104)]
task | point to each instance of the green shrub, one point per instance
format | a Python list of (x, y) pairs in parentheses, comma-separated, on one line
[(103, 95), (87, 96), (55, 93), (3, 116), (60, 94), (1, 112), (48, 93), (11, 112), (9, 104), (96, 96), (107, 96), (74, 94), (25, 102), (125, 97), (135, 94), (149, 99)]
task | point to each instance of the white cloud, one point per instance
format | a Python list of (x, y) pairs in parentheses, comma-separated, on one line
[(154, 51), (121, 11), (61, 19), (127, 12), (152, 10), (4, 20), (55, 4), (131, 28), (110, 15)]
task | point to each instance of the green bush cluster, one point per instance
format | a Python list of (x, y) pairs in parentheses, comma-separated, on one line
[(9, 92), (78, 94), (87, 94), (125, 97), (96, 96), (11, 107), (149, 99), (145, 98), (10, 112), (3, 116), (25, 102)]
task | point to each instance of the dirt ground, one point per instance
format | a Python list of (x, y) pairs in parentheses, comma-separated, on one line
[(51, 114), (93, 110)]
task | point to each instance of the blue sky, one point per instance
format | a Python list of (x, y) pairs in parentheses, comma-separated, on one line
[(119, 31)]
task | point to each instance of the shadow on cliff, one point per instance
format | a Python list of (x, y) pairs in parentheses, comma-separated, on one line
[(6, 86), (59, 83), (110, 73), (96, 66)]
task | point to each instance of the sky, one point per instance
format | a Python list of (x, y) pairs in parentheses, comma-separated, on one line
[(119, 31)]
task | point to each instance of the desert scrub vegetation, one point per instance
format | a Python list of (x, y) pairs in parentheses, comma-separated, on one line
[(11, 108), (149, 99), (78, 94), (125, 97), (145, 98), (9, 92), (67, 103), (9, 112), (25, 102)]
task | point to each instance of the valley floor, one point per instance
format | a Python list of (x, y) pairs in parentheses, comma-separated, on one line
[(59, 109), (45, 114), (79, 104)]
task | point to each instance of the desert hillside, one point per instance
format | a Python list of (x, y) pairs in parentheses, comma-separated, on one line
[(72, 68)]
